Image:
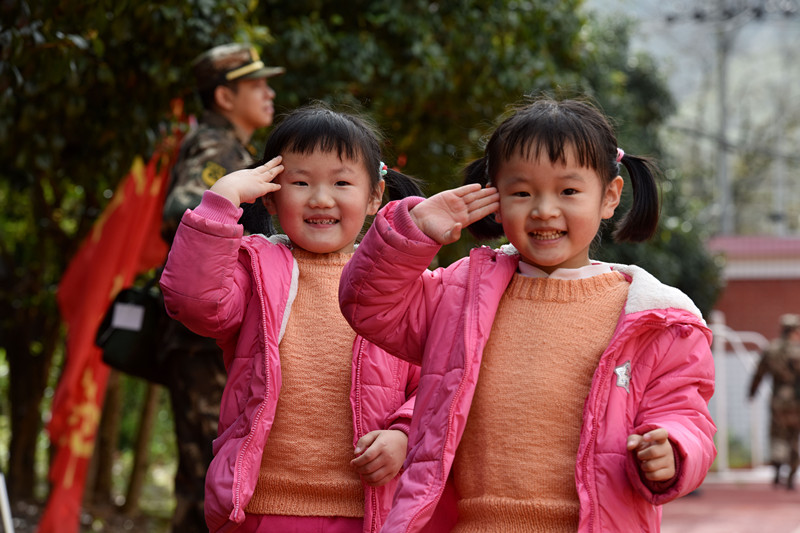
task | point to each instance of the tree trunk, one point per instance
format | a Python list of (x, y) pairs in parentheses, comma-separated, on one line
[(141, 454), (107, 440), (28, 370)]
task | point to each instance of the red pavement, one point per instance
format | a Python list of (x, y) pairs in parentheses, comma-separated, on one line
[(725, 505)]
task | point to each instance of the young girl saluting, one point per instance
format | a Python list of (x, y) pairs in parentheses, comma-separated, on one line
[(314, 420), (557, 393)]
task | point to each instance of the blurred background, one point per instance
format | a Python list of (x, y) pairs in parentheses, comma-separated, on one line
[(707, 87)]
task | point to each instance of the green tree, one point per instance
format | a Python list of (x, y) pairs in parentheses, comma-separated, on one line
[(634, 93), (436, 76), (84, 87)]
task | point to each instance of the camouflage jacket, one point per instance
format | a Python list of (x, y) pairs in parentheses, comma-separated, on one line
[(781, 360), (208, 153)]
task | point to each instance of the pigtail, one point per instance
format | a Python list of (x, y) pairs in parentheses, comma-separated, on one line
[(641, 220), (399, 185), (487, 228)]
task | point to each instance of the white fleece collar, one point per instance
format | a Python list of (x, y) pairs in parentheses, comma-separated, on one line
[(646, 291)]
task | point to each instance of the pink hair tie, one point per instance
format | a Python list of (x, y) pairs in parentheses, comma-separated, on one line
[(620, 154)]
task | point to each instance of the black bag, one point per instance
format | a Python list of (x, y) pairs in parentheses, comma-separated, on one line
[(130, 334)]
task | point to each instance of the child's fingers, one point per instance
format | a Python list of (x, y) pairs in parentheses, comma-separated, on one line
[(466, 189), (657, 470), (475, 195), (452, 235), (366, 441), (269, 173), (657, 435), (633, 442), (378, 478), (486, 210), (366, 463)]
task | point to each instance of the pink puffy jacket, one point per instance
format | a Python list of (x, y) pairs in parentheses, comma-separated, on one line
[(442, 320), (238, 290)]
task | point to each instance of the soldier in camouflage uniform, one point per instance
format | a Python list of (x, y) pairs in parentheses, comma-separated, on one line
[(232, 84), (781, 360)]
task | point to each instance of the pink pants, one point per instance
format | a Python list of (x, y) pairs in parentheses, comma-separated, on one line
[(259, 523)]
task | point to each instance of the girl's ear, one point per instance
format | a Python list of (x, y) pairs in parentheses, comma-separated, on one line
[(375, 198), (611, 197), (269, 203), (223, 97)]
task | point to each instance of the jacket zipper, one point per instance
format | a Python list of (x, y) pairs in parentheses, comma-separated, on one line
[(467, 360), (595, 395), (257, 417), (359, 427)]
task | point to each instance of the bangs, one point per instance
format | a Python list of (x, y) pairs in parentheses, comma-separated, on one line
[(552, 131), (321, 129)]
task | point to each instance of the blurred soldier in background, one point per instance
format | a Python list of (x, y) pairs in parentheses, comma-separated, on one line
[(237, 100), (781, 360)]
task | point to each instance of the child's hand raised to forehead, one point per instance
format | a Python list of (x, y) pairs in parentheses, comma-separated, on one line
[(249, 184), (442, 216)]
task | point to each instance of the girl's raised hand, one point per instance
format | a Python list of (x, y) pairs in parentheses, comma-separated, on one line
[(442, 216), (249, 184)]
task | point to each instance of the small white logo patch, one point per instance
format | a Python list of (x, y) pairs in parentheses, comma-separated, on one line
[(623, 373)]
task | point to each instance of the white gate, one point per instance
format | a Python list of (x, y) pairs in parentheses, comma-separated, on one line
[(736, 355)]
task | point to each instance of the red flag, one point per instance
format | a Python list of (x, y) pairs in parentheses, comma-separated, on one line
[(124, 242)]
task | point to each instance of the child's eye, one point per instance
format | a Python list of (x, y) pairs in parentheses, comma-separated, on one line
[(342, 183), (300, 183), (521, 194), (569, 192)]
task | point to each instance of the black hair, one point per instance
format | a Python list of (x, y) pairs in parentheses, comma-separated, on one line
[(545, 126), (352, 136)]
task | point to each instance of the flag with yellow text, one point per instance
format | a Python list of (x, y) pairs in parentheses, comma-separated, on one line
[(124, 242)]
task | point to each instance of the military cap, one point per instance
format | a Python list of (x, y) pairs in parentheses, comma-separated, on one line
[(230, 62), (790, 321)]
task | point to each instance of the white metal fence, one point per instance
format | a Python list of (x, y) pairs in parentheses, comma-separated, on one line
[(736, 355)]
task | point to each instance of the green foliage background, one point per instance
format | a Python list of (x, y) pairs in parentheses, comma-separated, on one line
[(85, 87)]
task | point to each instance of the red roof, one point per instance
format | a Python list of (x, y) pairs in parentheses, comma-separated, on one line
[(741, 247)]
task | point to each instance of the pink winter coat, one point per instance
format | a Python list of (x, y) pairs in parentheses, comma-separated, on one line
[(239, 290), (442, 320)]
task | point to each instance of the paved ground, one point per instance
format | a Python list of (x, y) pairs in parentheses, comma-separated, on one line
[(735, 502), (732, 502)]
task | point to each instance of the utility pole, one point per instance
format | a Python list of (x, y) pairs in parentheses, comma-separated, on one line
[(724, 37), (727, 18)]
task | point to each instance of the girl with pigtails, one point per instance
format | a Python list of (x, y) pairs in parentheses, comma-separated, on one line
[(314, 419), (557, 393)]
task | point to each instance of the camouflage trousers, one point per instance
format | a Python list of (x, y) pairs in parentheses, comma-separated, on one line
[(785, 436), (196, 380)]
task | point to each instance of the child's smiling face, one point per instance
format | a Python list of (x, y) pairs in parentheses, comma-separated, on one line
[(323, 201), (551, 212)]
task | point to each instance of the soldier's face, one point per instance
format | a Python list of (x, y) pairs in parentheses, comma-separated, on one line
[(252, 105), (323, 201)]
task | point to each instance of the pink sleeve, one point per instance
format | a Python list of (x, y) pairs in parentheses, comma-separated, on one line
[(681, 385), (386, 292), (202, 282)]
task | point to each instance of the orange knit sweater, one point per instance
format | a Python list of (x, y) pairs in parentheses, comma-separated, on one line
[(514, 468), (305, 468)]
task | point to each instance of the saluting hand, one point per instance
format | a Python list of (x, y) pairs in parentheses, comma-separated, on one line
[(442, 216), (249, 184)]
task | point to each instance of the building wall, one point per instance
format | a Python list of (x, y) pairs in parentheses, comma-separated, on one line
[(757, 304)]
